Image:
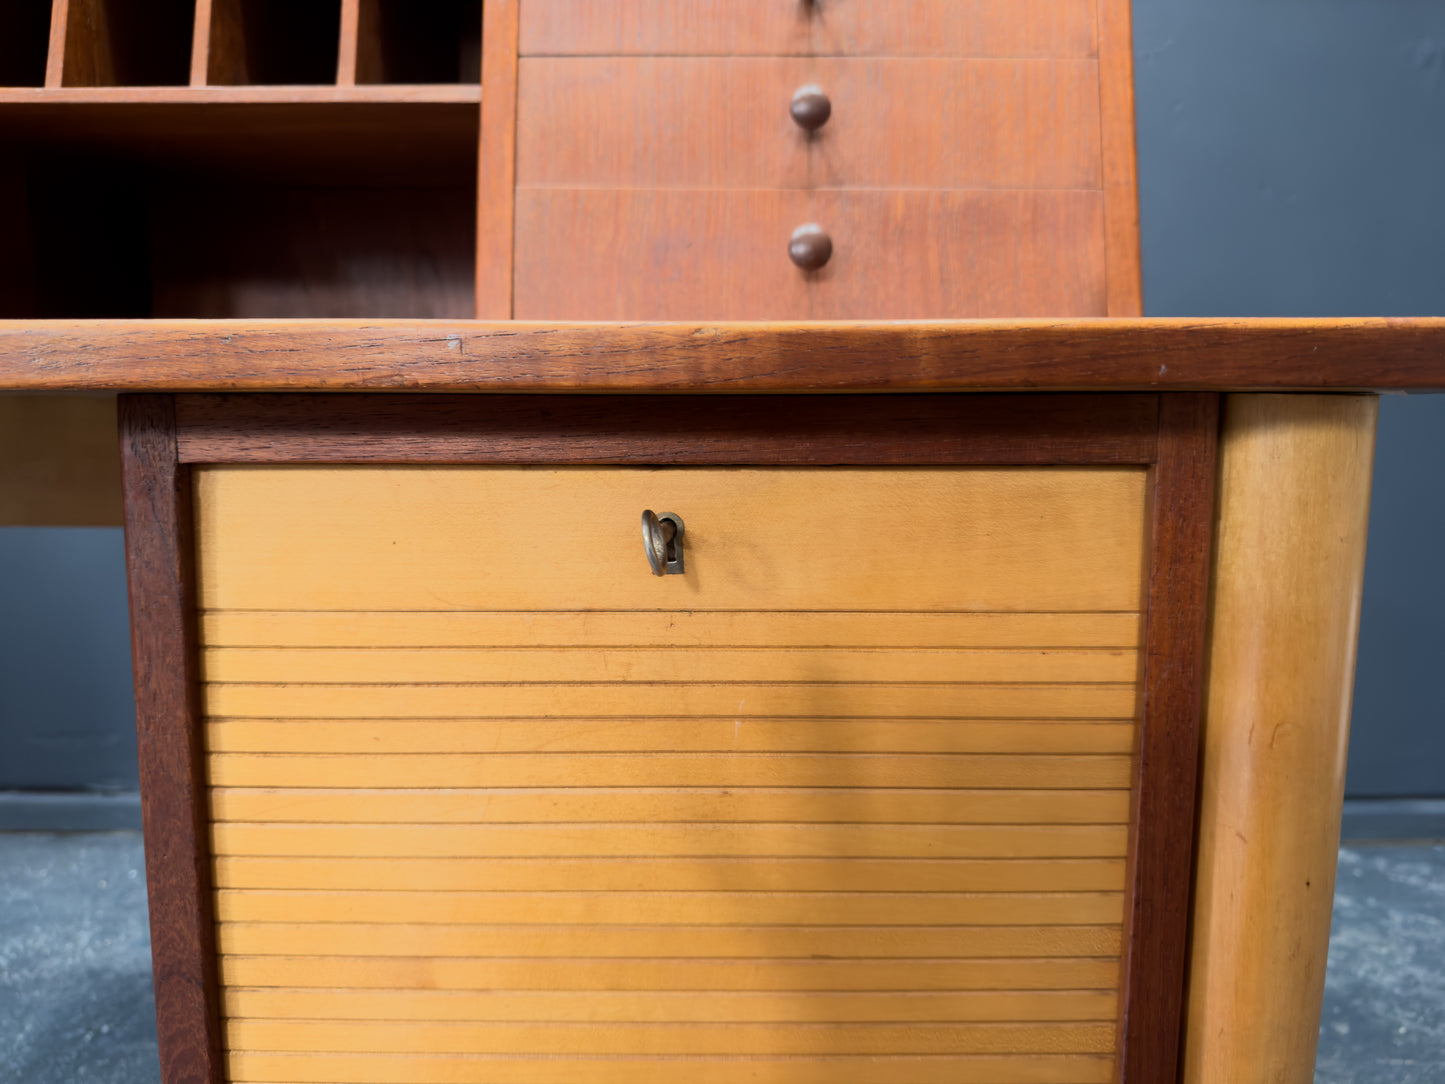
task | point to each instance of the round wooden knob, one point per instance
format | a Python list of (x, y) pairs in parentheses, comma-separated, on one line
[(810, 108), (810, 247)]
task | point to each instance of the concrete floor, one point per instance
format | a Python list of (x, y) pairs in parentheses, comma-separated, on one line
[(76, 1001)]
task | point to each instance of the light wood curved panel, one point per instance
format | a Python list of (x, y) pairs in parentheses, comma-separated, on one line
[(1294, 504)]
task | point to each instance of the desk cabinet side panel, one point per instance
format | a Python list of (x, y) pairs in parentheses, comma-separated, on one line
[(1294, 500)]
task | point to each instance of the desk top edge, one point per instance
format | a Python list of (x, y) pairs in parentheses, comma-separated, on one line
[(1380, 354)]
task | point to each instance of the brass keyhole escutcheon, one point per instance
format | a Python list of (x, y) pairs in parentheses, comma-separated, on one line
[(662, 540)]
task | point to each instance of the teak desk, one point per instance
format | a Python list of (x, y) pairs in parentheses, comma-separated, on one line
[(994, 731)]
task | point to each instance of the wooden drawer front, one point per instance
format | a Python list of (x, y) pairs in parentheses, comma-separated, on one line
[(847, 801), (638, 254), (1043, 28), (720, 123), (928, 255), (608, 254)]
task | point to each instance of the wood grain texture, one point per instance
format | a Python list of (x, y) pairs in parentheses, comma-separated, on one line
[(667, 254), (1023, 28), (692, 628), (55, 51), (694, 1006), (986, 355), (33, 98), (682, 908), (201, 43), (350, 43), (911, 255), (721, 254), (1181, 530), (1294, 495), (158, 559), (678, 874), (1121, 186), (793, 430), (812, 976), (59, 462), (335, 805), (498, 158), (398, 538), (632, 123), (828, 770), (860, 1069)]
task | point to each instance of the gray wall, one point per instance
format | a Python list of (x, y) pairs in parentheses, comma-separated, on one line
[(1292, 162)]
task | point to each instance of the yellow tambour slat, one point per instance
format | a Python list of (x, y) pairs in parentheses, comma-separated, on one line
[(674, 874), (780, 840), (452, 972), (826, 699), (340, 1068), (672, 735), (554, 1038), (1072, 772), (662, 805), (653, 942), (721, 908), (409, 538), (378, 666), (682, 628), (691, 1006)]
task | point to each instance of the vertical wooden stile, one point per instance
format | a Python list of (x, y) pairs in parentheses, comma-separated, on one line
[(1125, 294), (498, 153), (1156, 917), (159, 556), (201, 44), (350, 33), (55, 57)]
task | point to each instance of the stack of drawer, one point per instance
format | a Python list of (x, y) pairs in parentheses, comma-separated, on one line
[(661, 172)]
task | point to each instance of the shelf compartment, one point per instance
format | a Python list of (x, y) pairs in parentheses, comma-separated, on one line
[(110, 43), (401, 41), (24, 42), (154, 210), (276, 42)]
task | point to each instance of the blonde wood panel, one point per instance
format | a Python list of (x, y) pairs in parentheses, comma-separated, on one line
[(686, 628), (660, 805), (633, 123), (610, 943), (674, 874), (692, 1006), (825, 699), (689, 840), (931, 254), (398, 538), (468, 1069), (1071, 772), (558, 1038), (1295, 476), (1006, 28), (658, 254), (683, 908), (59, 461), (672, 735), (792, 975), (665, 665)]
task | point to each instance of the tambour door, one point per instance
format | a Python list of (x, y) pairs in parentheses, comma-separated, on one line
[(852, 796)]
